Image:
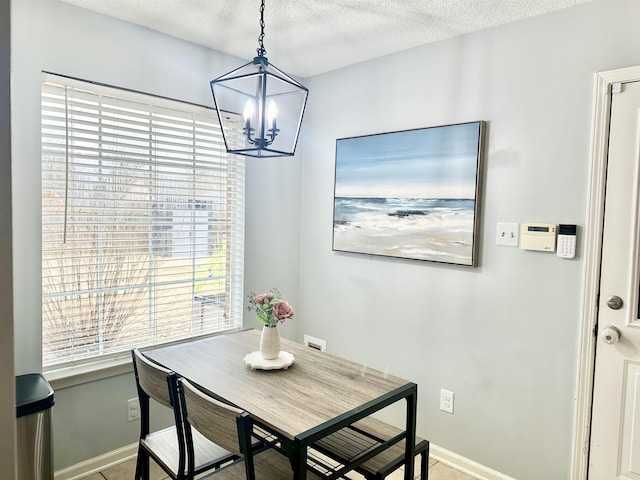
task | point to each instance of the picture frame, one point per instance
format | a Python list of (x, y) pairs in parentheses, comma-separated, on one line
[(410, 194)]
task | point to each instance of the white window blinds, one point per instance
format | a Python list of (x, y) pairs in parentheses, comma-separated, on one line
[(142, 221)]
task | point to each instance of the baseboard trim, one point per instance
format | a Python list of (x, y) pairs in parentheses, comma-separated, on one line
[(109, 459), (97, 464), (463, 464)]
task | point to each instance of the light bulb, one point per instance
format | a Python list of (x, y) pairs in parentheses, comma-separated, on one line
[(272, 113), (249, 110)]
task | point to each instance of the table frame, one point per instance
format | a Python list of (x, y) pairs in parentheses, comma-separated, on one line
[(295, 441)]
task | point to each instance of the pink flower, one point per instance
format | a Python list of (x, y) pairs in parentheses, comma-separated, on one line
[(270, 308), (282, 310), (262, 298)]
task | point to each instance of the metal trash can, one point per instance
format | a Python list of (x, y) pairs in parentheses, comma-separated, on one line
[(34, 399)]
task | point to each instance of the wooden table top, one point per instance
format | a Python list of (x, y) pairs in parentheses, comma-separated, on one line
[(316, 389)]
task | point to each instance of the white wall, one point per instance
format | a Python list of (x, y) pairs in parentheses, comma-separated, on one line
[(49, 35), (484, 332), (7, 394), (502, 336)]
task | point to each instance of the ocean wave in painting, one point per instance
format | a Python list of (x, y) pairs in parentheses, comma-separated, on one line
[(436, 229)]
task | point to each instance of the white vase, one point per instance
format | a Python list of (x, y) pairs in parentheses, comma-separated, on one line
[(270, 342)]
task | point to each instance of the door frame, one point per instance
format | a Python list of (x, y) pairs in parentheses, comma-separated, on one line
[(593, 232)]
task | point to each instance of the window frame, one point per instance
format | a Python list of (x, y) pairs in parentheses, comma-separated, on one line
[(74, 371)]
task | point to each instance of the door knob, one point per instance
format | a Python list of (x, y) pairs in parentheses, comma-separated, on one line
[(614, 302), (611, 334)]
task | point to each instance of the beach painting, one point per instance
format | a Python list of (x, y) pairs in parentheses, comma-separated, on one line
[(410, 194)]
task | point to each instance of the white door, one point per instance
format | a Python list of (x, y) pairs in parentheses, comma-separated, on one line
[(615, 428)]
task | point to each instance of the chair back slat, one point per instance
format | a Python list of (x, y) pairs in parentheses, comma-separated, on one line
[(152, 379), (213, 419)]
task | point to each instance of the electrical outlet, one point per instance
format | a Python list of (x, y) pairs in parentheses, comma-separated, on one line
[(507, 234), (446, 401), (133, 409)]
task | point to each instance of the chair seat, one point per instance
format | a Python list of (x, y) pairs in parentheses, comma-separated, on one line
[(362, 436), (164, 445), (269, 465)]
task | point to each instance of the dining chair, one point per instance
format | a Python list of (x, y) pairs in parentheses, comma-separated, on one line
[(365, 434), (231, 428), (168, 447)]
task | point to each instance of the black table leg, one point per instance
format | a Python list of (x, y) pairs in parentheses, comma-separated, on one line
[(299, 461), (410, 444)]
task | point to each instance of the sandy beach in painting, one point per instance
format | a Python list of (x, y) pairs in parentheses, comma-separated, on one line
[(431, 229)]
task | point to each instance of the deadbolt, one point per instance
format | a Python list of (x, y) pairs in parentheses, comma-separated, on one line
[(615, 302)]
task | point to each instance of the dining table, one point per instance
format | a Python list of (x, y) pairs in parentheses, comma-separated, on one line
[(318, 395)]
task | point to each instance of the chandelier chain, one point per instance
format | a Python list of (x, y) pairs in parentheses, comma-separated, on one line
[(261, 50)]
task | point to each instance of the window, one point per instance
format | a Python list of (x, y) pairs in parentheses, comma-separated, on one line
[(142, 222)]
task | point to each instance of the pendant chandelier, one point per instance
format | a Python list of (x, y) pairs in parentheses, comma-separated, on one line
[(268, 102)]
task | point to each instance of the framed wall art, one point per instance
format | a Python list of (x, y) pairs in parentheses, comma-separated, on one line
[(410, 194)]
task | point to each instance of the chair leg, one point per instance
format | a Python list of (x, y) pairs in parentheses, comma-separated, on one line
[(424, 465), (142, 465)]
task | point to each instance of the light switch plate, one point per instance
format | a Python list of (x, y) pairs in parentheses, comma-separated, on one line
[(507, 234)]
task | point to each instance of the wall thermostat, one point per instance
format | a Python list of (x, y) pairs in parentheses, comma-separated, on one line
[(538, 236)]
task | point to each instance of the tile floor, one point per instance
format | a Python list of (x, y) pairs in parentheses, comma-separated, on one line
[(126, 471)]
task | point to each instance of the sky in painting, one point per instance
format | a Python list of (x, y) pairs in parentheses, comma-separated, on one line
[(438, 162)]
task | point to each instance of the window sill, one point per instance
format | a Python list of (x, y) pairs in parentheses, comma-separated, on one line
[(72, 375)]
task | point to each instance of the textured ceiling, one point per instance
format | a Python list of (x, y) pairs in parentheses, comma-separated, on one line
[(308, 37)]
